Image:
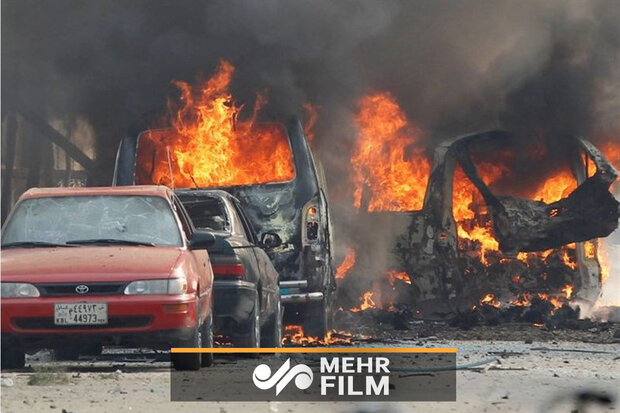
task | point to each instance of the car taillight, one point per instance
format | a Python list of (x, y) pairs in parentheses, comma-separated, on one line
[(232, 270), (311, 221)]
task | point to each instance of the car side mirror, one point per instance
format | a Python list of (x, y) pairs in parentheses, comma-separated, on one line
[(270, 240), (201, 240)]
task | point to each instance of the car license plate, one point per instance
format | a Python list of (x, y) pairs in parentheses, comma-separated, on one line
[(80, 314)]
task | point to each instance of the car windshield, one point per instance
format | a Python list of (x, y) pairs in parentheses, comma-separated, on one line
[(208, 213), (258, 156), (93, 220)]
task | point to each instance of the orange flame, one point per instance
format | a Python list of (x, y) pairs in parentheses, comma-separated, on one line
[(312, 115), (347, 264), (464, 207), (594, 250), (490, 299), (389, 171), (590, 249), (612, 153), (569, 260), (210, 145), (294, 334), (603, 260), (395, 275), (366, 304), (525, 299), (556, 187)]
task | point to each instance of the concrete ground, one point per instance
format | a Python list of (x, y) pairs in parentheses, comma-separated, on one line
[(534, 377)]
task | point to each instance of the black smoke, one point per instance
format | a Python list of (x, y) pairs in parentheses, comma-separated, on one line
[(455, 67)]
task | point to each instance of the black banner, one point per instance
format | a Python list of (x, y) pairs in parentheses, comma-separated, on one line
[(346, 375)]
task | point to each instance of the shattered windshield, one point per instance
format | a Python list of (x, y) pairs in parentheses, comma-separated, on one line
[(259, 155), (93, 220), (208, 213)]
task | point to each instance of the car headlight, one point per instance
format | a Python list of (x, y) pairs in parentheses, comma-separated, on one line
[(169, 286), (19, 290)]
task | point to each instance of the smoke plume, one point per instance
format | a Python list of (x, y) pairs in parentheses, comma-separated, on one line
[(455, 67)]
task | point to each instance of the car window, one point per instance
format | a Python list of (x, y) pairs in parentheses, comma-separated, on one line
[(147, 219), (209, 213), (266, 157), (250, 234), (185, 221)]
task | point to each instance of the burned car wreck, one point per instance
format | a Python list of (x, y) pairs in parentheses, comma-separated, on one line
[(294, 206), (523, 247)]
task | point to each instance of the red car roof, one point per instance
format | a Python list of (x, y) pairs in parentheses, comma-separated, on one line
[(144, 190)]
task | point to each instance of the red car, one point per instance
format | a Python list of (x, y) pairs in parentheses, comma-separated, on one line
[(121, 266)]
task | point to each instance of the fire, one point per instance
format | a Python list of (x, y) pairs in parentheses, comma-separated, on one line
[(366, 304), (389, 171), (294, 334), (568, 259), (568, 291), (590, 249), (395, 275), (347, 264), (482, 235), (611, 150), (603, 259), (524, 300), (465, 208), (594, 250), (210, 145), (556, 187), (490, 299), (312, 115)]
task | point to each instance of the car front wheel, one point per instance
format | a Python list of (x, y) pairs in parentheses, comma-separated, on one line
[(188, 361)]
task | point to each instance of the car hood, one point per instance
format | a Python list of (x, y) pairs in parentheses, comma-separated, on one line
[(101, 263)]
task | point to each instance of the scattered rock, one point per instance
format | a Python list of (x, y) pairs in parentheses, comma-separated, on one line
[(7, 382)]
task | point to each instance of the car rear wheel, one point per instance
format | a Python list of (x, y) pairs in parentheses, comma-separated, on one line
[(271, 336), (250, 336), (13, 359), (318, 317), (207, 341), (188, 361)]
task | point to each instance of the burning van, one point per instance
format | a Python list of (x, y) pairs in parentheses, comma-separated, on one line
[(268, 166), (280, 186)]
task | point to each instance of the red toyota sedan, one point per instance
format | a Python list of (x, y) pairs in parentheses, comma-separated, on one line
[(88, 267)]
